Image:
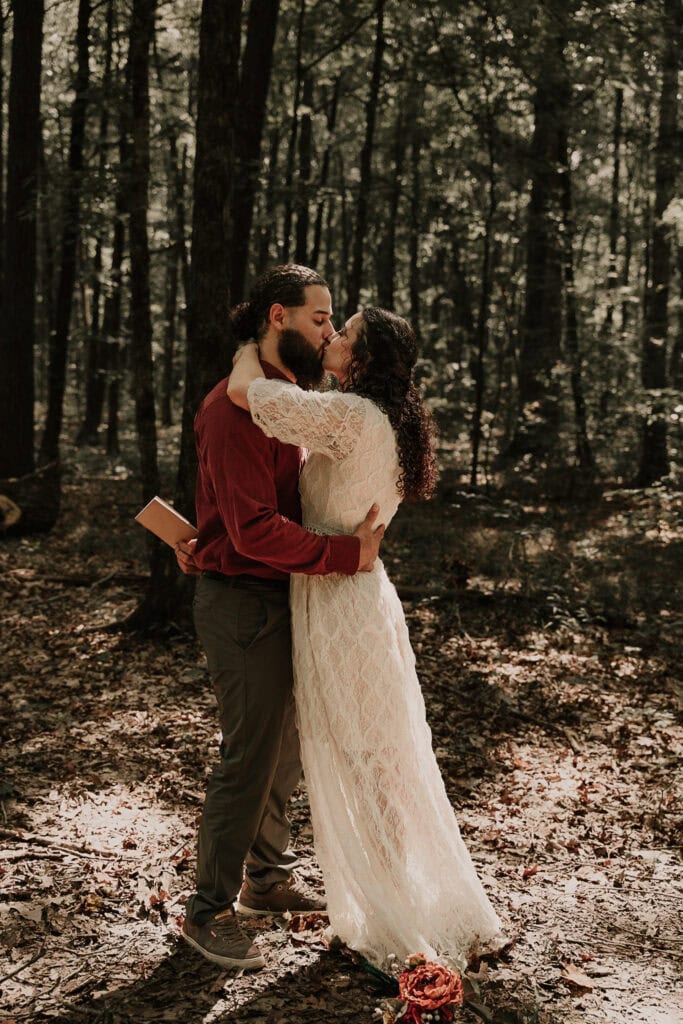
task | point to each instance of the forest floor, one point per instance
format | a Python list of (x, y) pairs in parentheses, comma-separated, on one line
[(547, 639)]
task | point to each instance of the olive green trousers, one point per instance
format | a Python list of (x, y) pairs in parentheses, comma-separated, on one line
[(244, 629)]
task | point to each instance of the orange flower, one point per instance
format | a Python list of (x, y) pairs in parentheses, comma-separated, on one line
[(430, 986)]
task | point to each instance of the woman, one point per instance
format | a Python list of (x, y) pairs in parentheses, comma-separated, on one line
[(397, 874)]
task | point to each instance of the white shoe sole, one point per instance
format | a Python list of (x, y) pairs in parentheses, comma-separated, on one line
[(225, 961), (241, 908)]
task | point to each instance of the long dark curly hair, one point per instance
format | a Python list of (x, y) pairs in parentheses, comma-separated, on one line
[(381, 368)]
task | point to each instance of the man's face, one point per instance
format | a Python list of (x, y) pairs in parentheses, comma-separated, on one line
[(304, 338)]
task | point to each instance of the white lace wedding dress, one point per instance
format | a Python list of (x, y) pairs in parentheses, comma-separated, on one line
[(397, 874)]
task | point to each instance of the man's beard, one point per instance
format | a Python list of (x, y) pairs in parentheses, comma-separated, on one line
[(300, 356)]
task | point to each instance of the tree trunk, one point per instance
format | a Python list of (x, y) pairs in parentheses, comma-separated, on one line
[(3, 22), (209, 342), (173, 201), (304, 183), (336, 267), (257, 64), (47, 276), (111, 328), (654, 460), (584, 455), (324, 201), (293, 135), (482, 337), (361, 227), (386, 255), (263, 258), (414, 231), (465, 330), (18, 300), (96, 357), (49, 449), (614, 220), (538, 425), (676, 365), (607, 331), (141, 37), (141, 32), (111, 321)]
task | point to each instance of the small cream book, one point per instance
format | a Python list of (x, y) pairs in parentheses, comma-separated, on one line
[(163, 520)]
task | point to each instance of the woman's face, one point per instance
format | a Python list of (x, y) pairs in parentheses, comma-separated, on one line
[(338, 350)]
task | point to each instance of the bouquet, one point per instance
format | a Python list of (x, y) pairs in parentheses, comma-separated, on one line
[(428, 993)]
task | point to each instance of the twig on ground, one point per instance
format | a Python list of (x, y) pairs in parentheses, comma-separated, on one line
[(78, 851), (22, 967)]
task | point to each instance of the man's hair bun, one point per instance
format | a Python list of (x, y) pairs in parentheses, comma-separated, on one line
[(244, 321)]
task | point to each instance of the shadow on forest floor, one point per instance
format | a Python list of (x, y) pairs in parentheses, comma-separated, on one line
[(546, 644)]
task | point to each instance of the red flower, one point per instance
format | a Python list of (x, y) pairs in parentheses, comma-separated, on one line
[(430, 986)]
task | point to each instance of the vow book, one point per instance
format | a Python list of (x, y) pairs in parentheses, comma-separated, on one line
[(163, 520)]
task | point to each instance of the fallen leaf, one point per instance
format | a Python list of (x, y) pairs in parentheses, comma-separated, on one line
[(575, 978)]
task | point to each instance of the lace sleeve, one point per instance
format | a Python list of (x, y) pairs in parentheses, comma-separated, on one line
[(329, 423)]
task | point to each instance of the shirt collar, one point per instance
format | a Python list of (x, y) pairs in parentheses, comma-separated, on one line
[(272, 372)]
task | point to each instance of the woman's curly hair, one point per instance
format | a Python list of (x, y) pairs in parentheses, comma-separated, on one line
[(381, 368)]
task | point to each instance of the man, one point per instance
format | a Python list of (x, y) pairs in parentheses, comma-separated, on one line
[(250, 540)]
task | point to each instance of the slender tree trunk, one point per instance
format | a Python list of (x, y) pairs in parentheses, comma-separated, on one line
[(304, 183), (18, 300), (538, 425), (141, 33), (583, 451), (173, 200), (626, 266), (676, 365), (414, 231), (182, 227), (386, 256), (465, 330), (269, 200), (360, 232), (654, 460), (112, 320), (49, 449), (346, 239), (482, 338), (614, 219), (209, 343), (323, 201), (111, 328), (3, 23), (607, 330), (141, 38), (96, 357), (257, 64), (47, 276), (293, 136)]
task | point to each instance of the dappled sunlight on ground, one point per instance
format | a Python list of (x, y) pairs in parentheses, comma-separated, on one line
[(547, 642)]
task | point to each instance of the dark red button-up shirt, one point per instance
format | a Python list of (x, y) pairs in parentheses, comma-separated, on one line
[(247, 499)]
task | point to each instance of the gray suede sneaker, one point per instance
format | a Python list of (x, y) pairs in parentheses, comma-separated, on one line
[(288, 895), (222, 941)]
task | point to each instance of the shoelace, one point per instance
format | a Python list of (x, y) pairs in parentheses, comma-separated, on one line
[(226, 924), (302, 889)]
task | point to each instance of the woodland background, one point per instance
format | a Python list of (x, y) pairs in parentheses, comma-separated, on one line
[(507, 175)]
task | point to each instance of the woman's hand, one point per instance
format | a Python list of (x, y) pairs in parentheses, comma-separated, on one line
[(251, 348), (246, 367)]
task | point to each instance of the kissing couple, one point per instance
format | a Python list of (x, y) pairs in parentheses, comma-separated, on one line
[(307, 645)]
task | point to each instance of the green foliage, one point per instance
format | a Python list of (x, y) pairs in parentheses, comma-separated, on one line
[(450, 175)]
